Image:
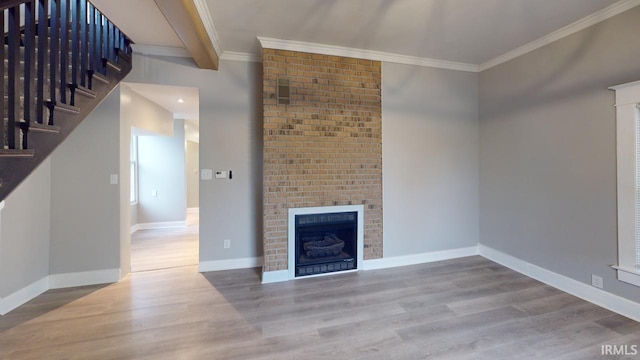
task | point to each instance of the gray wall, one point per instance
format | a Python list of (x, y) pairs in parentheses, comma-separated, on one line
[(84, 205), (161, 168), (145, 115), (192, 173), (429, 159), (24, 236), (230, 139), (547, 151)]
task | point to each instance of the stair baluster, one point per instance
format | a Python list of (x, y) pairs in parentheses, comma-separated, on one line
[(54, 31), (43, 36), (13, 80), (29, 41), (52, 54), (3, 107)]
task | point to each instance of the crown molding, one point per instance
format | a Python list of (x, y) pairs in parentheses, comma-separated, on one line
[(599, 16), (363, 54), (207, 21), (160, 50), (240, 56)]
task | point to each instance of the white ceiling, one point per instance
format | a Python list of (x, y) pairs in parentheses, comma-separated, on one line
[(466, 31), (167, 97)]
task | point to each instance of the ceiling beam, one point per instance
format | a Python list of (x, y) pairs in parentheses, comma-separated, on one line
[(186, 22)]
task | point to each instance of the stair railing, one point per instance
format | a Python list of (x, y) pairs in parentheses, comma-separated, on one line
[(51, 50)]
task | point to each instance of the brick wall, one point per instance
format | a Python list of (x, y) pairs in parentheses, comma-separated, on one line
[(325, 148)]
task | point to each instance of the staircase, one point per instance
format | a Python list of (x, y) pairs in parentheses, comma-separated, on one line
[(59, 60)]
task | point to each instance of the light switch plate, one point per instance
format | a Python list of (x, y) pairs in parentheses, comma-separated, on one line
[(113, 179), (206, 174)]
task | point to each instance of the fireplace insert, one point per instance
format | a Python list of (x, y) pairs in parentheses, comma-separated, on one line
[(325, 243)]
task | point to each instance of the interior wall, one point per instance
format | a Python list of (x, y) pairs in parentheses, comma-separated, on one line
[(230, 139), (192, 173), (84, 205), (24, 234), (548, 152), (430, 159), (161, 177), (145, 115)]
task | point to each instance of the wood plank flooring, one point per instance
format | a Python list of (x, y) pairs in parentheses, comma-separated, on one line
[(166, 248), (467, 308)]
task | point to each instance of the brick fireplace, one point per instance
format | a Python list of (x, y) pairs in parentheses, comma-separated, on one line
[(322, 149)]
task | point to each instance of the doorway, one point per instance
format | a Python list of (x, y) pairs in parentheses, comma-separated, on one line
[(164, 171)]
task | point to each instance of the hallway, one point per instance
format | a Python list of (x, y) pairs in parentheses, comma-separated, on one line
[(166, 248)]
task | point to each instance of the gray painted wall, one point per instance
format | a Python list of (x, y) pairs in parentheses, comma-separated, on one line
[(192, 173), (547, 151), (429, 159), (84, 205), (230, 139), (161, 168), (146, 116), (24, 237)]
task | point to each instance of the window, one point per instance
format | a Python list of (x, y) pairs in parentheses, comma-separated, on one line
[(628, 174), (133, 153)]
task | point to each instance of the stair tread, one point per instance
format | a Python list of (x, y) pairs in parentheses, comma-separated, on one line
[(17, 152), (84, 91), (44, 128), (65, 108)]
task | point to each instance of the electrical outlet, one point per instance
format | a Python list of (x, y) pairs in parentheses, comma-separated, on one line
[(227, 243), (597, 281)]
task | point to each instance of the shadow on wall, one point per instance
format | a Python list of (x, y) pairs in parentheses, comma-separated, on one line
[(551, 86)]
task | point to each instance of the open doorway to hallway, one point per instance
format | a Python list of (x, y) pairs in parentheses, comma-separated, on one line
[(164, 179)]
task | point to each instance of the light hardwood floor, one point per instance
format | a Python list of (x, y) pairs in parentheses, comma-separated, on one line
[(467, 308), (166, 248)]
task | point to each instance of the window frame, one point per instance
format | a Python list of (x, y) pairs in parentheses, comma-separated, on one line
[(628, 171)]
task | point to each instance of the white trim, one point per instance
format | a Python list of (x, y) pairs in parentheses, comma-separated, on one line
[(193, 210), (275, 276), (423, 258), (599, 16), (134, 228), (58, 281), (586, 292), (363, 54), (239, 56), (630, 276), (324, 210), (158, 225), (207, 21), (160, 50), (627, 97), (1, 205), (23, 295), (230, 264)]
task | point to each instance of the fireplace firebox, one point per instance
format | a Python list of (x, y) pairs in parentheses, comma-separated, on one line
[(326, 242)]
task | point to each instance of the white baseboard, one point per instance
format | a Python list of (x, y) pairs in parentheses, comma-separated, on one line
[(388, 262), (84, 278), (57, 281), (406, 260), (275, 276), (584, 291), (24, 295), (193, 210), (158, 225), (230, 264)]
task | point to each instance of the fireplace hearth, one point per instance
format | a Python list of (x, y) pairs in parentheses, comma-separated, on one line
[(325, 240)]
